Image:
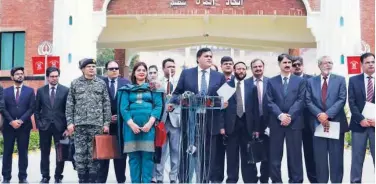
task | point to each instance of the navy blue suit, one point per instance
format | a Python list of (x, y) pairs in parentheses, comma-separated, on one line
[(188, 81), (239, 131), (264, 123), (13, 111), (335, 102), (291, 104), (360, 135), (119, 164), (308, 143)]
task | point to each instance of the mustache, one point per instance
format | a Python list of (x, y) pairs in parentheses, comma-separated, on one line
[(287, 67), (258, 71)]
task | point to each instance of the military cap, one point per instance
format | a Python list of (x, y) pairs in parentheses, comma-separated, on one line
[(15, 69), (86, 61)]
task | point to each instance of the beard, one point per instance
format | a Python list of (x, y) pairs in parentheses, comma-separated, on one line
[(18, 81), (239, 78)]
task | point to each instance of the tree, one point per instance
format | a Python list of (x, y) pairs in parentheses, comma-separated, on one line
[(134, 60), (104, 55)]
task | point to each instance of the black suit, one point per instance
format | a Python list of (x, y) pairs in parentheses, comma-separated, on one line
[(239, 131), (291, 103), (189, 81), (51, 122), (119, 164), (264, 123), (21, 110), (308, 143)]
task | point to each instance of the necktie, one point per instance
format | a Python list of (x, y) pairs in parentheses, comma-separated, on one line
[(169, 87), (324, 91), (259, 95), (112, 89), (52, 96), (370, 92), (285, 85), (239, 101), (204, 85), (17, 94)]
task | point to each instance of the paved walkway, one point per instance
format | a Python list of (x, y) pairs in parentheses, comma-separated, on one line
[(70, 175)]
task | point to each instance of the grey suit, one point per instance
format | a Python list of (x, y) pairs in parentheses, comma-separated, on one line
[(172, 124), (335, 102)]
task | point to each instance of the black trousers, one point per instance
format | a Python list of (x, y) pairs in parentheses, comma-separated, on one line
[(237, 142), (21, 136), (45, 137), (119, 164), (294, 154), (218, 172), (264, 167), (308, 154)]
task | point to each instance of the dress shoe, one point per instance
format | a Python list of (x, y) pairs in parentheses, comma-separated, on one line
[(6, 181), (45, 180), (172, 181), (23, 181), (58, 180), (159, 181)]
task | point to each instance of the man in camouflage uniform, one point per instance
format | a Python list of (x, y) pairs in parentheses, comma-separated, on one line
[(88, 113)]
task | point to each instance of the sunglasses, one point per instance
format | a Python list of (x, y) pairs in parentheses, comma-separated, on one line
[(113, 69), (295, 65)]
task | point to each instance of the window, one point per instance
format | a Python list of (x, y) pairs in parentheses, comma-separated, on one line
[(12, 50), (70, 20)]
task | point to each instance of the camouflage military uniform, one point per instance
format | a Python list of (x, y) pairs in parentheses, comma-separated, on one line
[(89, 109)]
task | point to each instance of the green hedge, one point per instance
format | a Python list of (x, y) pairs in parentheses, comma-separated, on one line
[(33, 142)]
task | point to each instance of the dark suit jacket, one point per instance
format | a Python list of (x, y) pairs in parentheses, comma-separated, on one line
[(264, 122), (120, 83), (251, 108), (292, 103), (335, 100), (306, 113), (357, 101), (45, 114), (188, 81), (22, 111)]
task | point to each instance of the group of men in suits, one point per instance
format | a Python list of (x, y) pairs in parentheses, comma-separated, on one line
[(287, 107), (18, 103)]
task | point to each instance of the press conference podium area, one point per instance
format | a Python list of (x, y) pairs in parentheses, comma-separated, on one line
[(70, 175)]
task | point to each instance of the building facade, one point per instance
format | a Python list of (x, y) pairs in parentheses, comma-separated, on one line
[(76, 29)]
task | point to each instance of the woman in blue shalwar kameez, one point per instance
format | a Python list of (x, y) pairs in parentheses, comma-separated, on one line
[(140, 108)]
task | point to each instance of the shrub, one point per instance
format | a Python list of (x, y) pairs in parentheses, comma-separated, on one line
[(33, 142)]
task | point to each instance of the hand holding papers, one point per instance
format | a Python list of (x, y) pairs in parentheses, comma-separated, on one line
[(330, 132), (369, 111), (226, 91)]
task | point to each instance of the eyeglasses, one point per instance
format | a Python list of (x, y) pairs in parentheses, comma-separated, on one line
[(297, 64), (152, 72), (113, 69)]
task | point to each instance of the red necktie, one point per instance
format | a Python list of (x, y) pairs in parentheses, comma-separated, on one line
[(17, 94), (370, 92), (324, 91)]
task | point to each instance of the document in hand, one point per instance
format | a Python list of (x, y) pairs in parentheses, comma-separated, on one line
[(369, 110), (226, 91), (333, 131)]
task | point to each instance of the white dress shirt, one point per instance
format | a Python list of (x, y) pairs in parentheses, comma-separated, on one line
[(15, 90), (207, 77), (50, 86), (241, 90), (288, 78), (115, 84), (366, 82), (261, 84), (327, 80)]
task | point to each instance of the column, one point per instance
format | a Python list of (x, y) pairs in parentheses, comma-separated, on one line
[(120, 57), (294, 52)]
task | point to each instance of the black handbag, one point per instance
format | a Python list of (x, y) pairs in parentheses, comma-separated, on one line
[(256, 151), (65, 150)]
